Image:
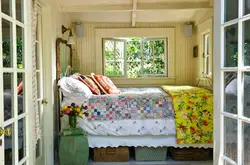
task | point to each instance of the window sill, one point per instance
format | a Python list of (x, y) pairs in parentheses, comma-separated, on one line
[(143, 81)]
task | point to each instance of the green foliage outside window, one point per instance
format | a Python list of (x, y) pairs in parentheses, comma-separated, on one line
[(147, 58), (7, 53)]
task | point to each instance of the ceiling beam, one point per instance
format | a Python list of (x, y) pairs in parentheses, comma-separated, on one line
[(134, 13), (140, 7)]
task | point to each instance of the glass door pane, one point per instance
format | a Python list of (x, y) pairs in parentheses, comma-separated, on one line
[(13, 76), (236, 72), (7, 44), (231, 46)]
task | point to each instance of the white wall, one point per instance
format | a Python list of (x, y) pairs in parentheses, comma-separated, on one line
[(84, 61), (55, 18), (204, 23)]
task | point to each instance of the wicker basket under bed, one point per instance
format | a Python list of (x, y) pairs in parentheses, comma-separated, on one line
[(119, 154), (191, 154), (150, 153)]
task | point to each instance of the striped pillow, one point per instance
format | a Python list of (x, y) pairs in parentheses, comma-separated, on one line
[(90, 84), (106, 83)]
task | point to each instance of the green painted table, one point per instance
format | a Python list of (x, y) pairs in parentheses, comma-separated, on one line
[(74, 147)]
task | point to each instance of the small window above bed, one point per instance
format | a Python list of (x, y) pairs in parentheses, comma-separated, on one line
[(135, 57)]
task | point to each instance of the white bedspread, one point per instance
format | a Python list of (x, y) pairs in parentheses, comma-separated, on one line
[(129, 127)]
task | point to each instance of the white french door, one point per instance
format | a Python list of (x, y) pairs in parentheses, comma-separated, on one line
[(41, 101), (15, 82), (232, 82)]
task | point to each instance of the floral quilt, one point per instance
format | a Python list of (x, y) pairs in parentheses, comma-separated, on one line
[(193, 108), (131, 103)]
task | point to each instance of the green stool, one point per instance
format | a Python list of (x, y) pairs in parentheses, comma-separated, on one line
[(74, 147)]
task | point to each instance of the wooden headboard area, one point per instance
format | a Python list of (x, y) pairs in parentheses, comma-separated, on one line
[(63, 58)]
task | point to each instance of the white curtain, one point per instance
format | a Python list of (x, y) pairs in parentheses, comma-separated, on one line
[(37, 128)]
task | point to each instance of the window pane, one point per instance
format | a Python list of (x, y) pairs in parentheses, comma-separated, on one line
[(6, 7), (230, 102), (8, 95), (119, 68), (9, 144), (246, 42), (21, 93), (159, 48), (119, 51), (231, 46), (159, 66), (246, 108), (20, 47), (21, 139), (109, 68), (207, 44), (133, 69), (7, 43), (246, 143), (247, 7), (19, 10), (148, 66), (109, 49), (133, 49), (230, 138), (231, 9), (148, 49)]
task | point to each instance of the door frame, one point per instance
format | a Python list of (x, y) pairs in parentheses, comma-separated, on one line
[(47, 127), (217, 82)]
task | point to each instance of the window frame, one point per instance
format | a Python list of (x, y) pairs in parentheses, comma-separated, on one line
[(206, 53), (142, 41), (169, 33)]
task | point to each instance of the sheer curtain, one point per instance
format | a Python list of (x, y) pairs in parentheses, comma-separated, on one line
[(37, 129)]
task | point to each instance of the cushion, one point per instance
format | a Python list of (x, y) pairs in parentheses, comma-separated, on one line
[(103, 91), (106, 83), (20, 88), (73, 87), (90, 84)]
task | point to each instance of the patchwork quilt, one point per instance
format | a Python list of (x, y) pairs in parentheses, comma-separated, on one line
[(131, 103)]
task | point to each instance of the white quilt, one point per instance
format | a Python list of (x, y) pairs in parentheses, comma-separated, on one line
[(129, 127)]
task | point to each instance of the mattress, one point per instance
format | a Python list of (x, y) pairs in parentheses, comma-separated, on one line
[(139, 141)]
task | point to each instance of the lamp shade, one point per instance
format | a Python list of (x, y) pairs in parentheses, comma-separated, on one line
[(71, 40)]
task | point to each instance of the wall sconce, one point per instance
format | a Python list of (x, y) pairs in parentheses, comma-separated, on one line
[(71, 38)]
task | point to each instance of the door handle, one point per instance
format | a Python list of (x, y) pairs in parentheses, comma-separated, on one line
[(44, 101), (6, 132)]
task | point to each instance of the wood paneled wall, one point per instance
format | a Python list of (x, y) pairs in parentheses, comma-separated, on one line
[(84, 56)]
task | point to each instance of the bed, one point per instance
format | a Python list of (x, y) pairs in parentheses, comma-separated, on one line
[(135, 117)]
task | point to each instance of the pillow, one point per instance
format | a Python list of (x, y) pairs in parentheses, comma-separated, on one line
[(98, 84), (106, 83), (90, 84), (232, 86), (73, 87), (75, 75), (20, 88)]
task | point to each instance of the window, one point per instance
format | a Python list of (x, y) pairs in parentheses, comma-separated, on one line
[(135, 57), (206, 53)]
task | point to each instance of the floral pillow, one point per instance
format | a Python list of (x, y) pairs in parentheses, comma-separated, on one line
[(90, 84), (73, 87), (106, 83)]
